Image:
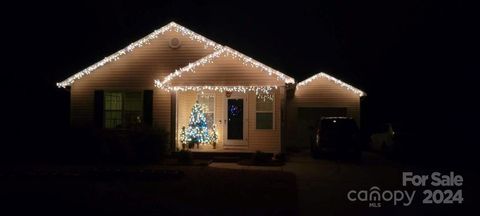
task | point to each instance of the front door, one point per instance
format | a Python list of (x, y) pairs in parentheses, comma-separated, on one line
[(236, 120)]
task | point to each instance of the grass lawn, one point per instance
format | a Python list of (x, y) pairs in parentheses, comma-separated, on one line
[(201, 191)]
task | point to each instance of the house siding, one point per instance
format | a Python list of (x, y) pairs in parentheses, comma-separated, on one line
[(136, 71), (226, 71), (266, 140), (320, 93)]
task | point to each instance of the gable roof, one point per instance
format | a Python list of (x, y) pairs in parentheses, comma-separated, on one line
[(331, 78), (224, 51), (139, 43), (219, 51)]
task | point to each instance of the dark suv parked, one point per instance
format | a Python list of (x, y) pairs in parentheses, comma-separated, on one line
[(336, 138)]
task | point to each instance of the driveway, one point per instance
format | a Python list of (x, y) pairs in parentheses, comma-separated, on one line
[(323, 184)]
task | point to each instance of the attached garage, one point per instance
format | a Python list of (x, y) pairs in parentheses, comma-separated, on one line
[(308, 117), (319, 96)]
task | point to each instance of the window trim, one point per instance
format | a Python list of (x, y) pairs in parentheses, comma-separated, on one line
[(123, 111), (273, 114), (212, 94)]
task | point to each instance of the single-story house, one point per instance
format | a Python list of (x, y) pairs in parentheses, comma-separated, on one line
[(157, 80)]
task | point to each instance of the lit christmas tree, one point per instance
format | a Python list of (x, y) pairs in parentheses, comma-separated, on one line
[(183, 138), (197, 131)]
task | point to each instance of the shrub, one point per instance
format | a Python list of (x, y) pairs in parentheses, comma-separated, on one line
[(185, 157), (131, 146), (150, 145), (260, 157), (282, 157)]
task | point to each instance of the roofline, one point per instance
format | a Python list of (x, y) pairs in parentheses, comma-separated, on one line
[(208, 59), (331, 78), (219, 50), (139, 43)]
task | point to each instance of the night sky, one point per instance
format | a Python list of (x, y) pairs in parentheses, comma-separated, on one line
[(414, 59)]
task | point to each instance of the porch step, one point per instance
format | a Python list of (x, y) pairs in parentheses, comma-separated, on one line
[(222, 156), (227, 159)]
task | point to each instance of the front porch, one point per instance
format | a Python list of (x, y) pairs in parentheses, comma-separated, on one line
[(241, 100), (243, 121), (231, 115)]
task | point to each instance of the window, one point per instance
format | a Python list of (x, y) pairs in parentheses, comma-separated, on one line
[(113, 109), (208, 102), (122, 109), (264, 112)]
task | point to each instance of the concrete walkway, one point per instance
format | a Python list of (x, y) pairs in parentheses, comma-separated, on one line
[(323, 184)]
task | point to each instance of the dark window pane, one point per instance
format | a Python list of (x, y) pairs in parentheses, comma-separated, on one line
[(122, 109), (133, 107), (132, 118), (133, 101), (113, 119), (113, 101), (264, 120)]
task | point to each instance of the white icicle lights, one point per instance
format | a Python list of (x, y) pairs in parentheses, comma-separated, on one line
[(335, 80), (224, 51), (146, 40), (219, 50), (242, 89)]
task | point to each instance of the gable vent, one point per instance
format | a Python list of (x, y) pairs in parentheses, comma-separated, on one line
[(174, 43)]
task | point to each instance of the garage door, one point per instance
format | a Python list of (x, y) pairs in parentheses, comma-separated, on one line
[(307, 117)]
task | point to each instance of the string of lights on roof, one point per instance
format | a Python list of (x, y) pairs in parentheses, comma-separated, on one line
[(146, 40), (262, 92), (224, 51), (335, 80), (242, 89), (219, 51)]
